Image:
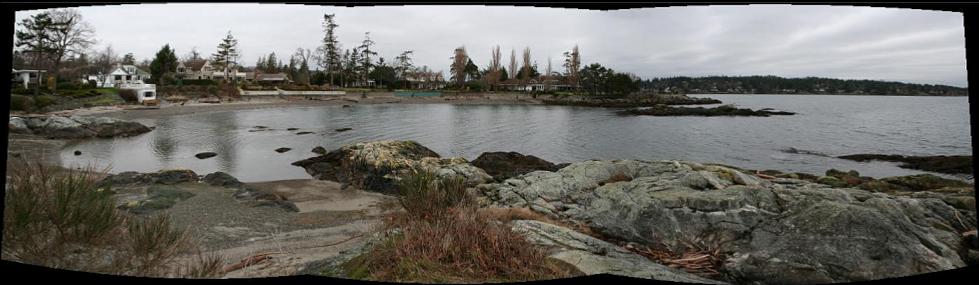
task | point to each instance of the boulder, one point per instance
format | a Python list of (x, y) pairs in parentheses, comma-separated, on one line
[(282, 149), (57, 127), (18, 125), (379, 165), (304, 133), (222, 179), (319, 150), (768, 233), (343, 129), (503, 165)]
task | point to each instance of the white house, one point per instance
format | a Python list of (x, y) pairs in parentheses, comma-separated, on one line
[(128, 74), (202, 69), (25, 77), (122, 74)]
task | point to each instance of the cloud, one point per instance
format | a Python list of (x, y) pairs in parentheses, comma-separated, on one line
[(828, 41)]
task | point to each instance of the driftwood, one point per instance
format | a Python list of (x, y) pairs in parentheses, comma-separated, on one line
[(249, 261)]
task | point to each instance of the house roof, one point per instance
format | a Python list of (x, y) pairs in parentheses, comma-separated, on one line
[(195, 64), (272, 76)]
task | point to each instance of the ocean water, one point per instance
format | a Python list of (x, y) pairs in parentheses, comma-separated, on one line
[(832, 125)]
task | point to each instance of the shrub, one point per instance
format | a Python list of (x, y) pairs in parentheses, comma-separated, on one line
[(19, 89), (67, 86), (456, 247), (445, 239), (44, 100), (21, 102), (424, 195), (61, 218), (203, 82)]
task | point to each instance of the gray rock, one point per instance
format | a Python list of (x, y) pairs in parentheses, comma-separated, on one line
[(379, 165), (791, 233), (594, 256), (205, 155), (222, 179), (57, 127), (18, 125)]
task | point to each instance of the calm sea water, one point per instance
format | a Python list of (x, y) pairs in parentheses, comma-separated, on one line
[(834, 125)]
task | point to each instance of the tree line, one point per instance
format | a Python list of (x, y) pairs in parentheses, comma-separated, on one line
[(780, 85)]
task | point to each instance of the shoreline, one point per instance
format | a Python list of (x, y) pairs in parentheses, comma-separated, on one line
[(262, 102)]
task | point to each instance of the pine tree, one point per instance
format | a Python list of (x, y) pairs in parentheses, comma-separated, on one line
[(365, 61), (330, 58), (226, 56)]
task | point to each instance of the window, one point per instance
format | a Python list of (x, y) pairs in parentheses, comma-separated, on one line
[(118, 77)]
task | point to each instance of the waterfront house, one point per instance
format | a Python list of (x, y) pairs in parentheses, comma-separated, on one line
[(25, 77), (203, 70), (125, 74)]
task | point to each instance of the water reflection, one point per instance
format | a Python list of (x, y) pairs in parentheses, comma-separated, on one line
[(163, 143), (835, 125)]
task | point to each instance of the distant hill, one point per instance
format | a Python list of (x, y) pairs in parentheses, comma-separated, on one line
[(779, 85)]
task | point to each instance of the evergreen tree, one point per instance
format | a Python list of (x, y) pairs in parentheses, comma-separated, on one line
[(330, 55), (163, 65), (226, 56)]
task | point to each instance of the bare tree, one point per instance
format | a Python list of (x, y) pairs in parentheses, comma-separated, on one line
[(547, 74), (71, 36), (525, 69), (572, 64), (303, 56), (513, 63), (493, 74)]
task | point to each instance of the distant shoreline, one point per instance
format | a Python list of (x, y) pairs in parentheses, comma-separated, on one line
[(813, 94)]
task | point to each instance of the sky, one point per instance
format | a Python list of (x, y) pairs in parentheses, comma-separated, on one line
[(892, 44)]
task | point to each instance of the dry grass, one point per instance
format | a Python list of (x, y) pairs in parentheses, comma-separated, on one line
[(60, 218), (506, 215), (451, 241), (700, 256), (617, 177)]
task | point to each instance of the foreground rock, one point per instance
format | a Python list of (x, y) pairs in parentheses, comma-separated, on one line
[(378, 166), (784, 231), (725, 110), (594, 256), (951, 164), (161, 190), (57, 127), (503, 165)]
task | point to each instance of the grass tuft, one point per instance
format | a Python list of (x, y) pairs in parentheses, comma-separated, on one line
[(444, 238), (61, 218)]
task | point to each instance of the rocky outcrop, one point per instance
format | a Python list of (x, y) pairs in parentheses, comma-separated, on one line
[(725, 110), (57, 127), (379, 165), (594, 256), (248, 194), (166, 177), (779, 231), (952, 164), (503, 165), (164, 189), (635, 100)]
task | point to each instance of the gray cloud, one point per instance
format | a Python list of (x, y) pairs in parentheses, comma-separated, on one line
[(828, 41)]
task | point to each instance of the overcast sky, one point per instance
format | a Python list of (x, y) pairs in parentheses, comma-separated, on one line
[(893, 44)]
